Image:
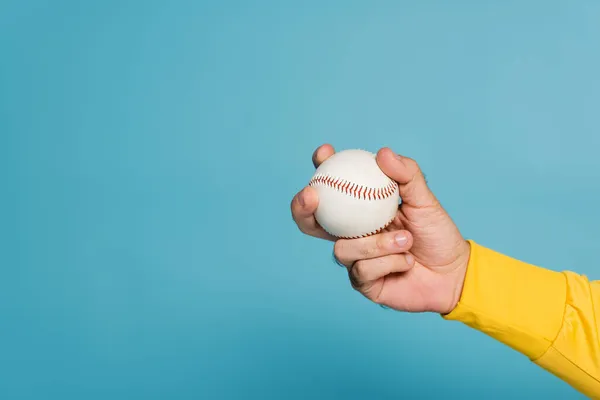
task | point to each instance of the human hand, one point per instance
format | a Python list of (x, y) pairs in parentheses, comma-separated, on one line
[(417, 263)]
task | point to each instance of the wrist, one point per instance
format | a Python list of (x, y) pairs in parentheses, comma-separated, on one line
[(456, 278)]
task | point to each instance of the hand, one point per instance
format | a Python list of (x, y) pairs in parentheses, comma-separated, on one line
[(417, 263)]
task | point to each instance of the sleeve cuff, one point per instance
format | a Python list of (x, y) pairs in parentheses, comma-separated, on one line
[(518, 304)]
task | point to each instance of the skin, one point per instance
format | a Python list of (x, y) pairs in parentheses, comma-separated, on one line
[(418, 263)]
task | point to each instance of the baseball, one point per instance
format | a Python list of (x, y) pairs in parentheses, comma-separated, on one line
[(356, 199)]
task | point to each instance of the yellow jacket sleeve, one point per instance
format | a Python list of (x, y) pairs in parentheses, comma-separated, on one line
[(551, 317)]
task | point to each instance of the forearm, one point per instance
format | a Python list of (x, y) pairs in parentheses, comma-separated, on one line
[(546, 315)]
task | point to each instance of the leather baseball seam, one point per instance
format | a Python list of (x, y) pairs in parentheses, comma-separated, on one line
[(355, 190), (368, 234), (358, 192)]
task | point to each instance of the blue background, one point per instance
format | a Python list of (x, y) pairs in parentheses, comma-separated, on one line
[(149, 152)]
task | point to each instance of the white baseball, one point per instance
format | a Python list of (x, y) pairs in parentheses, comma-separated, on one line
[(356, 198)]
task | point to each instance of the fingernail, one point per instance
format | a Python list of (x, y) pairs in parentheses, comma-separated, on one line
[(301, 199), (401, 239), (410, 260)]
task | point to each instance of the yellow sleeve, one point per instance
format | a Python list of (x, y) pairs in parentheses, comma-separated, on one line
[(551, 317)]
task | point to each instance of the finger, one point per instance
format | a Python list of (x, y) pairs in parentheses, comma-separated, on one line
[(303, 207), (305, 203), (364, 272), (321, 154), (348, 251), (413, 187)]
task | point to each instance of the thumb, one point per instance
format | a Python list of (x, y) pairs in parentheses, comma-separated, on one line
[(413, 187)]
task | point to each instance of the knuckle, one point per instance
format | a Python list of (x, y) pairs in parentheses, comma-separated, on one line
[(370, 247), (414, 168), (293, 210), (365, 251), (339, 248), (373, 246), (360, 271), (295, 203), (381, 243), (411, 163)]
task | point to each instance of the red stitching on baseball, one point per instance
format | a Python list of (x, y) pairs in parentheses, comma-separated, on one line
[(355, 190), (370, 233)]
